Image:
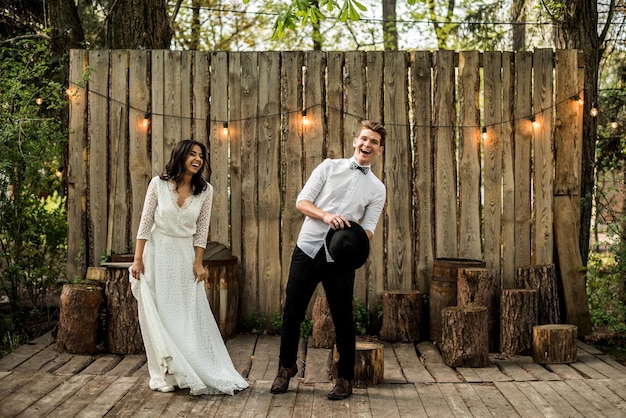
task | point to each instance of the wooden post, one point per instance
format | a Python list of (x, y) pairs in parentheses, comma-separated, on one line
[(122, 321), (369, 366), (323, 333), (518, 316), (402, 316), (465, 336), (78, 319), (554, 343), (480, 286), (542, 278)]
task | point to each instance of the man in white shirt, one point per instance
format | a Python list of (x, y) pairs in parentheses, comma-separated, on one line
[(338, 192)]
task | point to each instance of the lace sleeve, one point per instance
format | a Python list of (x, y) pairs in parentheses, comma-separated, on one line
[(147, 214), (204, 219)]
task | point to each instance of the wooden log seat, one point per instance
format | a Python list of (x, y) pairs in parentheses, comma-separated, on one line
[(518, 316), (323, 333), (79, 318), (542, 278), (465, 336), (369, 365), (402, 316), (479, 286), (123, 334), (554, 343)]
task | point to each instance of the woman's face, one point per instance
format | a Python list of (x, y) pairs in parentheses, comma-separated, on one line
[(194, 160)]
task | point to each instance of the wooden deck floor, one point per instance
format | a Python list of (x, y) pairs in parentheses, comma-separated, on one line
[(37, 381)]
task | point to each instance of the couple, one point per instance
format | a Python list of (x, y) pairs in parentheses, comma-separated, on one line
[(183, 343)]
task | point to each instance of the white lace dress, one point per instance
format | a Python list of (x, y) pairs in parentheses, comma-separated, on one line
[(183, 343)]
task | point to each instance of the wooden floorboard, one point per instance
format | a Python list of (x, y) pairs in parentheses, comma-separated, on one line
[(37, 381)]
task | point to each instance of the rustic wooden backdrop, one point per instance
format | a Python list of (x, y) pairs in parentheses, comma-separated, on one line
[(509, 197)]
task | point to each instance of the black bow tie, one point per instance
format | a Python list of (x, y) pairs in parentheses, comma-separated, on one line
[(354, 165)]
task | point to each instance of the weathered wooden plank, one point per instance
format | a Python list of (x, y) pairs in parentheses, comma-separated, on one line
[(393, 370), (607, 408), (25, 352), (372, 273), (599, 365), (269, 201), (259, 401), (433, 400), (235, 140), (317, 367), (537, 370), (587, 371), (513, 370), (469, 375), (495, 401), (522, 161), (232, 406), (200, 92), (41, 360), (423, 169), (492, 145), (492, 373), (601, 387), (128, 365), (77, 168), (139, 162), (474, 403), (83, 397), (398, 216), (587, 348), (557, 401), (517, 399), (359, 403), (249, 127), (152, 404), (386, 404), (118, 231), (454, 399), (241, 350), (335, 101), (208, 406), (218, 147), (157, 118), (541, 403), (102, 403), (186, 95), (140, 394), (469, 157), (355, 83), (182, 404), (543, 167), (446, 239), (97, 190), (508, 173), (412, 367), (51, 400), (265, 364), (574, 398), (565, 371), (618, 386), (37, 387), (173, 102), (103, 364), (303, 405), (442, 373), (283, 406)]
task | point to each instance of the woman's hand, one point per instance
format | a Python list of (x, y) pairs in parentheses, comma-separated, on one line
[(199, 272), (136, 270)]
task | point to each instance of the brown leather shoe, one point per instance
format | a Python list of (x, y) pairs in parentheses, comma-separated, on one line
[(281, 383), (342, 390)]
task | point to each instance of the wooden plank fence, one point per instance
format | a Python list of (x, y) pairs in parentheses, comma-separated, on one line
[(468, 172)]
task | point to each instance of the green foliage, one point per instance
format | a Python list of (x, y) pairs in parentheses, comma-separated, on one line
[(605, 281), (33, 219), (255, 323), (276, 323), (361, 316), (306, 328)]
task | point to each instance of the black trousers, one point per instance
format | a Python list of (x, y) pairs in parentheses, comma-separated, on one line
[(304, 275)]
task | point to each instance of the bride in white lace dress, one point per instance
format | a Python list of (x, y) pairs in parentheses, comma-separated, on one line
[(183, 343)]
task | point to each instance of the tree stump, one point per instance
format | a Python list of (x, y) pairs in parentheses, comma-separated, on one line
[(123, 333), (518, 316), (443, 289), (402, 316), (542, 278), (465, 336), (78, 318), (479, 286), (323, 333), (369, 365), (555, 343)]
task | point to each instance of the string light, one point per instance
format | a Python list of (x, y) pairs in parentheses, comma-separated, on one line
[(577, 98), (39, 101), (613, 123), (483, 132), (304, 119), (146, 120), (533, 121), (225, 128), (594, 110)]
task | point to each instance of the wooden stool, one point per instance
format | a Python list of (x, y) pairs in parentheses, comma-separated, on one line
[(323, 333), (541, 278), (554, 343), (479, 286), (518, 316), (402, 316), (78, 319), (465, 336), (369, 365)]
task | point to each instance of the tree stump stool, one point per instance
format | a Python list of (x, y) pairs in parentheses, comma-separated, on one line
[(79, 318), (479, 286), (555, 343), (402, 316), (541, 278), (465, 336), (323, 333), (369, 365), (518, 316), (123, 334)]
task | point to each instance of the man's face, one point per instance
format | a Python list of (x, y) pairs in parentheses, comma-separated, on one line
[(366, 146)]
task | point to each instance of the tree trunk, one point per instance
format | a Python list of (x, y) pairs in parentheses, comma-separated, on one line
[(518, 309), (554, 343), (542, 278), (323, 328), (78, 319), (465, 336), (479, 286), (402, 316), (369, 365), (122, 320), (139, 24), (518, 14), (390, 30)]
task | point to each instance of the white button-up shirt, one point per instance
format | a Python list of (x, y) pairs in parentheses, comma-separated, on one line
[(336, 188)]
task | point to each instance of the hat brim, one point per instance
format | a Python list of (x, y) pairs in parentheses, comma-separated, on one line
[(348, 247)]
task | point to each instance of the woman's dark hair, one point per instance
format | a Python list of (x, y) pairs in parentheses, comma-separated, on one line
[(175, 168)]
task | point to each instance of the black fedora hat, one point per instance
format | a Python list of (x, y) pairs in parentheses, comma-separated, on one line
[(349, 247)]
